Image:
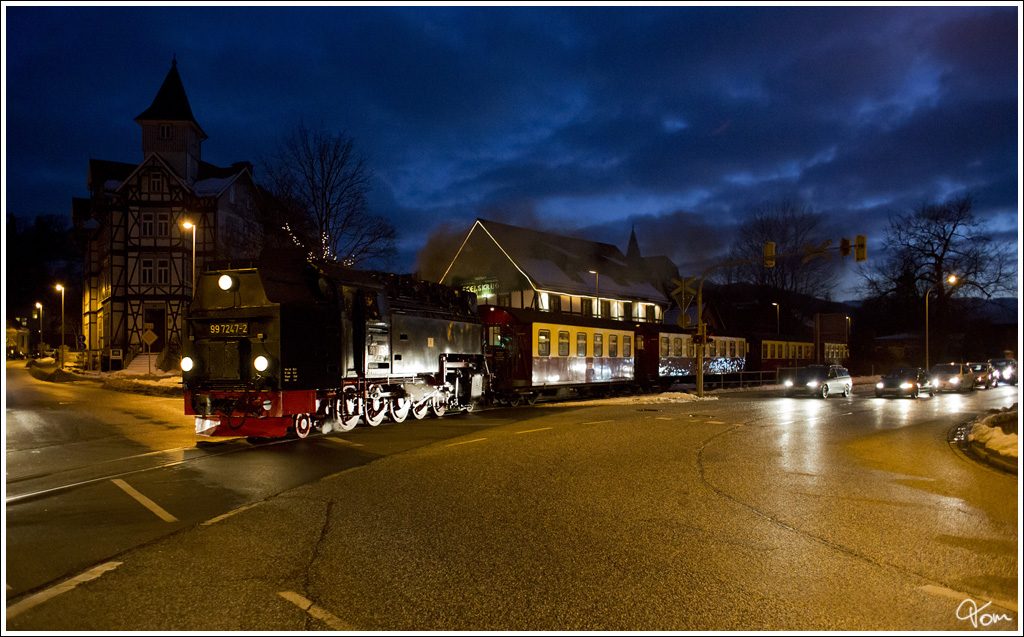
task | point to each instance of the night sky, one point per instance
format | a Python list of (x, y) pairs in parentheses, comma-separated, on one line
[(679, 121)]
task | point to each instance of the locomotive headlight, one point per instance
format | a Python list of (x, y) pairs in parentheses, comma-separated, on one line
[(261, 363), (187, 364), (227, 282)]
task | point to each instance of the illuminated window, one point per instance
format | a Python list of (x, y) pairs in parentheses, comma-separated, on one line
[(764, 350), (627, 346), (713, 349), (598, 345), (677, 347), (581, 344), (613, 346), (691, 348), (563, 342), (544, 343), (663, 350)]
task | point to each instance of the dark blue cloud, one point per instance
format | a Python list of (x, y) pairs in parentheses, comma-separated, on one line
[(679, 120)]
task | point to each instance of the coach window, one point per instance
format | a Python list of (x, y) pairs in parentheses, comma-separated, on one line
[(613, 346), (663, 350), (764, 351), (627, 346), (713, 350), (677, 347), (544, 343), (494, 336), (581, 344), (598, 345), (563, 343), (691, 349)]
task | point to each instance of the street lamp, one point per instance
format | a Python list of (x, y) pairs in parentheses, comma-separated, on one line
[(597, 287), (777, 330), (60, 288), (188, 225), (40, 307), (951, 279)]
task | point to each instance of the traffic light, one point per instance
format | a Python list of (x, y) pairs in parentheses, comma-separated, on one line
[(860, 248), (769, 254), (844, 247), (697, 339)]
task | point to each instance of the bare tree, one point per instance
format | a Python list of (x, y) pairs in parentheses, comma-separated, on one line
[(791, 226), (318, 186), (926, 246)]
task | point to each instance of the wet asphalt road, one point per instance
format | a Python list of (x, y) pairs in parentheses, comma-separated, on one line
[(750, 512)]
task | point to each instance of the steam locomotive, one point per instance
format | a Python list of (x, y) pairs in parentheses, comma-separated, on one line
[(287, 346)]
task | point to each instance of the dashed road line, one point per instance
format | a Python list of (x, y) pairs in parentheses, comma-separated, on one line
[(63, 587), (596, 422), (317, 612), (228, 514), (714, 422), (342, 441), (144, 501), (530, 431), (465, 442)]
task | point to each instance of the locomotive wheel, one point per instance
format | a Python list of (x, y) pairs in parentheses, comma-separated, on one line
[(514, 400), (346, 411), (437, 405), (531, 399), (303, 425), (376, 408), (419, 412), (399, 408)]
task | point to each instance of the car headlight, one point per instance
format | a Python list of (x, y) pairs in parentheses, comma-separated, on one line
[(187, 364), (880, 385), (812, 383), (261, 363), (906, 385), (954, 380), (788, 383)]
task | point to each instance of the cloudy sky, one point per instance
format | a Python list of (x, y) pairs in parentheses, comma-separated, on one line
[(677, 120)]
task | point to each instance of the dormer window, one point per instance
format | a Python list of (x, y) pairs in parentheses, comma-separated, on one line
[(166, 131)]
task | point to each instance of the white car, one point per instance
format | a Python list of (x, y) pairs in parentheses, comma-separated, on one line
[(820, 380), (952, 377)]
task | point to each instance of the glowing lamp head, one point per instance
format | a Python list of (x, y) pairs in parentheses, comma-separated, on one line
[(187, 364), (226, 282), (261, 363)]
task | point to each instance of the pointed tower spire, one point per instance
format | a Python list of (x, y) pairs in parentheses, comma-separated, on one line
[(633, 251), (170, 130)]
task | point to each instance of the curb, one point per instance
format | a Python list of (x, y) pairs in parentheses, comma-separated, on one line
[(982, 453)]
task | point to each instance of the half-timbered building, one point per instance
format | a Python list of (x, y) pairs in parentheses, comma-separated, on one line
[(152, 226)]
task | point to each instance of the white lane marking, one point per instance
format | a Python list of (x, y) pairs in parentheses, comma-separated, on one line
[(315, 611), (957, 595), (63, 587), (465, 442), (144, 501), (530, 431), (596, 422), (227, 515), (342, 441)]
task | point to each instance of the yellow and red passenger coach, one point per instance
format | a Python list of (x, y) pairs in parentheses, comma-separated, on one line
[(532, 353)]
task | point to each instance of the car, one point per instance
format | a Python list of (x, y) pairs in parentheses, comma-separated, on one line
[(905, 381), (820, 380), (984, 374), (1005, 370), (952, 377)]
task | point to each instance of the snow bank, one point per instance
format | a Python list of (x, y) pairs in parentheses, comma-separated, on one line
[(992, 432)]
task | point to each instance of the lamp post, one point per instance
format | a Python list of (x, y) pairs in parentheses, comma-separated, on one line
[(951, 279), (777, 330), (597, 288), (60, 288), (40, 307), (188, 225)]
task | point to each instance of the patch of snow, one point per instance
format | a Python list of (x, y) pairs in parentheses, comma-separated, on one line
[(988, 433)]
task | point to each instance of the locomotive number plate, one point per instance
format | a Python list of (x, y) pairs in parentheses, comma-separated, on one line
[(227, 329)]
